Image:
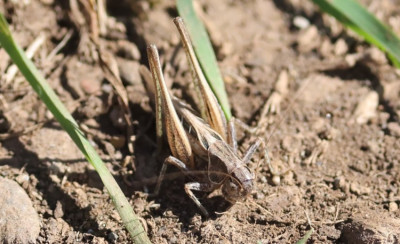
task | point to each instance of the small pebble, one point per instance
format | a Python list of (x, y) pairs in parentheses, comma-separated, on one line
[(366, 108), (263, 179), (326, 48), (129, 71), (359, 189), (377, 55), (341, 47), (22, 178), (128, 50), (308, 39), (58, 211), (393, 207), (301, 22), (90, 86), (340, 183), (276, 180), (260, 195), (19, 222), (352, 59)]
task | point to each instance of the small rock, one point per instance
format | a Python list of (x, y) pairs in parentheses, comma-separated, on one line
[(259, 195), (128, 50), (352, 59), (107, 88), (276, 180), (308, 39), (19, 220), (55, 179), (58, 211), (377, 55), (359, 189), (366, 108), (90, 86), (393, 207), (326, 48), (22, 178), (391, 90), (340, 183), (129, 71), (82, 78), (341, 47), (263, 179), (301, 22)]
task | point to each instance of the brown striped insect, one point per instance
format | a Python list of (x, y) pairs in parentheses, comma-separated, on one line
[(204, 143)]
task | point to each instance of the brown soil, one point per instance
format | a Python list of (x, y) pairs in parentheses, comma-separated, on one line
[(336, 132)]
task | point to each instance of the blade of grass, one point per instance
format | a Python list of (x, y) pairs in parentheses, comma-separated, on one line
[(357, 18), (204, 52), (53, 103)]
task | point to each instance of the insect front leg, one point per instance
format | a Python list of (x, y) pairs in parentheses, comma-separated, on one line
[(251, 150), (197, 186), (232, 141), (253, 147), (189, 187)]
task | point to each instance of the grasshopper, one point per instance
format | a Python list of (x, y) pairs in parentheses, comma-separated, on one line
[(207, 144)]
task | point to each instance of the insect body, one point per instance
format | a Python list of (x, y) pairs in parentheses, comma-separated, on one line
[(197, 144)]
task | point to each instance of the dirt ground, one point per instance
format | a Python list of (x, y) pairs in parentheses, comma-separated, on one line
[(331, 123)]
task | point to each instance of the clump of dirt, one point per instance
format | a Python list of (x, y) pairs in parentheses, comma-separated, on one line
[(326, 102)]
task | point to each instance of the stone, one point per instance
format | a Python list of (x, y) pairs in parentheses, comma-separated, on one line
[(19, 221)]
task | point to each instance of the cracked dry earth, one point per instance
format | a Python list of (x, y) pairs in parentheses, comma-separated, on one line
[(326, 102)]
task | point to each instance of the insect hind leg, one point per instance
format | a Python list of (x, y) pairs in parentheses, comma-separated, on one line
[(169, 160)]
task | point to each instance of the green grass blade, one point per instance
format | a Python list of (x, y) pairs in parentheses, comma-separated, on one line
[(205, 53), (53, 103), (358, 19)]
